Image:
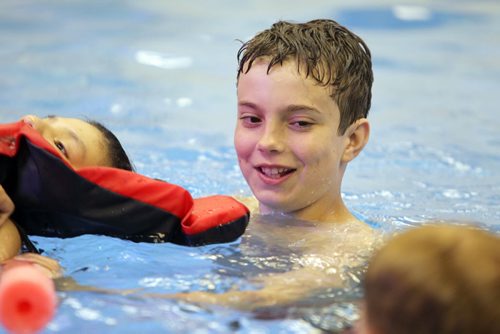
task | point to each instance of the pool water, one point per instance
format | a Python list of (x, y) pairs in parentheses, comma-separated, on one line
[(161, 75)]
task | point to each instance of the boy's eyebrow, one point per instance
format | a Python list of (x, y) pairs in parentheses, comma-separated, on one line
[(300, 107), (248, 104), (79, 142), (289, 109)]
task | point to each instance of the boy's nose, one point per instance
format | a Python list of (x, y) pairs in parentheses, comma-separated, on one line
[(272, 139), (35, 122), (30, 120)]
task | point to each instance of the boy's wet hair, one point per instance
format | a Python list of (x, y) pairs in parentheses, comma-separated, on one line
[(435, 279), (117, 155), (327, 52)]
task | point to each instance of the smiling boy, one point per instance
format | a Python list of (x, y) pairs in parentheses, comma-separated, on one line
[(304, 92)]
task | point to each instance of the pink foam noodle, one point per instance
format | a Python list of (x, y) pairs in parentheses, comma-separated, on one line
[(27, 298)]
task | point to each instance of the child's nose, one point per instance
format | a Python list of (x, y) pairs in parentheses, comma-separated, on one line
[(32, 120), (39, 124), (272, 139)]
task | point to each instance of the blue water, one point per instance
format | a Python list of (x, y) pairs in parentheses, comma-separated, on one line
[(162, 76)]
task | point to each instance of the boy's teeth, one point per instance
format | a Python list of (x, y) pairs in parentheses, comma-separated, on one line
[(273, 171)]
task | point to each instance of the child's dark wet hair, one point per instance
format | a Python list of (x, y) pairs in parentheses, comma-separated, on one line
[(117, 155), (328, 52)]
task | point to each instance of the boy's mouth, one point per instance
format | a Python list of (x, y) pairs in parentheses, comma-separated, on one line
[(275, 172)]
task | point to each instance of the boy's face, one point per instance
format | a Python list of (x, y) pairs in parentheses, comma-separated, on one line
[(286, 141), (80, 143)]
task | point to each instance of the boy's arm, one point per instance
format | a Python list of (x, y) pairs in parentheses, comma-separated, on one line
[(46, 265), (10, 240), (280, 289), (277, 290), (6, 206)]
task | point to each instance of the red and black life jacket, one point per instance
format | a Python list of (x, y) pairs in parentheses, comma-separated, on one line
[(53, 199)]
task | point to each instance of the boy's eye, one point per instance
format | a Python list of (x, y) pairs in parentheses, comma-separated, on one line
[(250, 120), (60, 147), (301, 124)]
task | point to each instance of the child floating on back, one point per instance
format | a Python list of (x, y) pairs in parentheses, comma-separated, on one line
[(69, 177), (81, 144)]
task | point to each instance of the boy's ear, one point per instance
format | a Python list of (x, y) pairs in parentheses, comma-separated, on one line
[(356, 136)]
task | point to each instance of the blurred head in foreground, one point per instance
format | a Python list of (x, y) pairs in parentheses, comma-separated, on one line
[(434, 279)]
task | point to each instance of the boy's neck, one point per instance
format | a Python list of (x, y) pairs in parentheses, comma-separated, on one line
[(332, 213)]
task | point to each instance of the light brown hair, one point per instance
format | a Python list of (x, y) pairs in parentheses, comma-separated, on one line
[(327, 52)]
